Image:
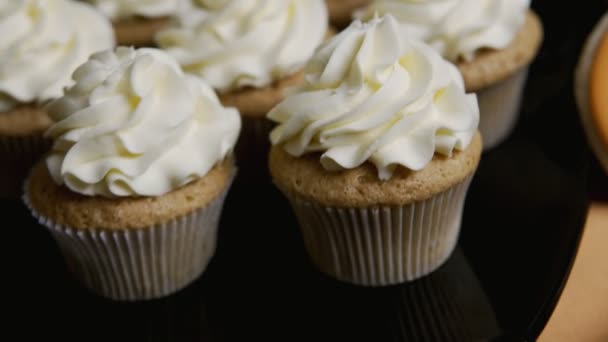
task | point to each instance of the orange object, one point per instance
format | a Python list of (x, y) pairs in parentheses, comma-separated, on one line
[(598, 90), (591, 90)]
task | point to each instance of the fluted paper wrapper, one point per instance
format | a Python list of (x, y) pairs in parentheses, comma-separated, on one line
[(252, 149), (382, 245), (499, 106), (17, 155), (140, 264)]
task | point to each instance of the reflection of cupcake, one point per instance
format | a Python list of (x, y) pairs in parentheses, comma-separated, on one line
[(341, 11), (376, 99), (449, 305), (137, 21), (250, 52), (43, 42), (131, 194), (592, 90), (491, 42)]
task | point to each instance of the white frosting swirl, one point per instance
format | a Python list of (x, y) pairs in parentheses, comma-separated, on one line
[(456, 28), (42, 42), (234, 43), (135, 125), (372, 95), (120, 9)]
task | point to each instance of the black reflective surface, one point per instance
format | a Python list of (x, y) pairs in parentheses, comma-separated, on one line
[(522, 224)]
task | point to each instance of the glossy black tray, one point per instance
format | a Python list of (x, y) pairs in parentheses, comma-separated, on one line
[(522, 224)]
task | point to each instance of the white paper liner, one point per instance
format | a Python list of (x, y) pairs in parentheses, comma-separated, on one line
[(386, 245), (139, 264), (252, 149), (499, 106), (17, 155)]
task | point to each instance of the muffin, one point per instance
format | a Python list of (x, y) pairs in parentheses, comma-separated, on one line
[(341, 11), (591, 88), (44, 41), (131, 194), (251, 52), (375, 155), (491, 42), (137, 21)]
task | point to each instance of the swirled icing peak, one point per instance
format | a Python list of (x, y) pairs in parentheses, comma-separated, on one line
[(238, 43), (41, 44), (456, 28), (373, 95), (120, 9), (134, 125)]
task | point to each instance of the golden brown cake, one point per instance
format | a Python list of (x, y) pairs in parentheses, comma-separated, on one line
[(67, 208), (255, 103), (304, 177), (138, 31), (492, 66), (341, 11), (24, 120)]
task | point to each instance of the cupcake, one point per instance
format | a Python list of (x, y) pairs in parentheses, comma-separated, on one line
[(341, 11), (137, 21), (491, 42), (44, 41), (131, 194), (375, 155), (591, 89), (251, 52)]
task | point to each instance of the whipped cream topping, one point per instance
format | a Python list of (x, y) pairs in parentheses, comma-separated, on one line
[(120, 9), (42, 43), (456, 28), (134, 125), (374, 96), (233, 43)]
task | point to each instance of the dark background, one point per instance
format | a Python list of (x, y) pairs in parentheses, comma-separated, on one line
[(522, 224)]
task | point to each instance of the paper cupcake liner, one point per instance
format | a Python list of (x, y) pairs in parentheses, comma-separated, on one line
[(252, 149), (499, 108), (139, 264), (17, 155), (382, 245)]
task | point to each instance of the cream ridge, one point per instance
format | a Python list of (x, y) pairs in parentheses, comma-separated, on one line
[(455, 28), (134, 125), (233, 44), (374, 95), (41, 43)]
